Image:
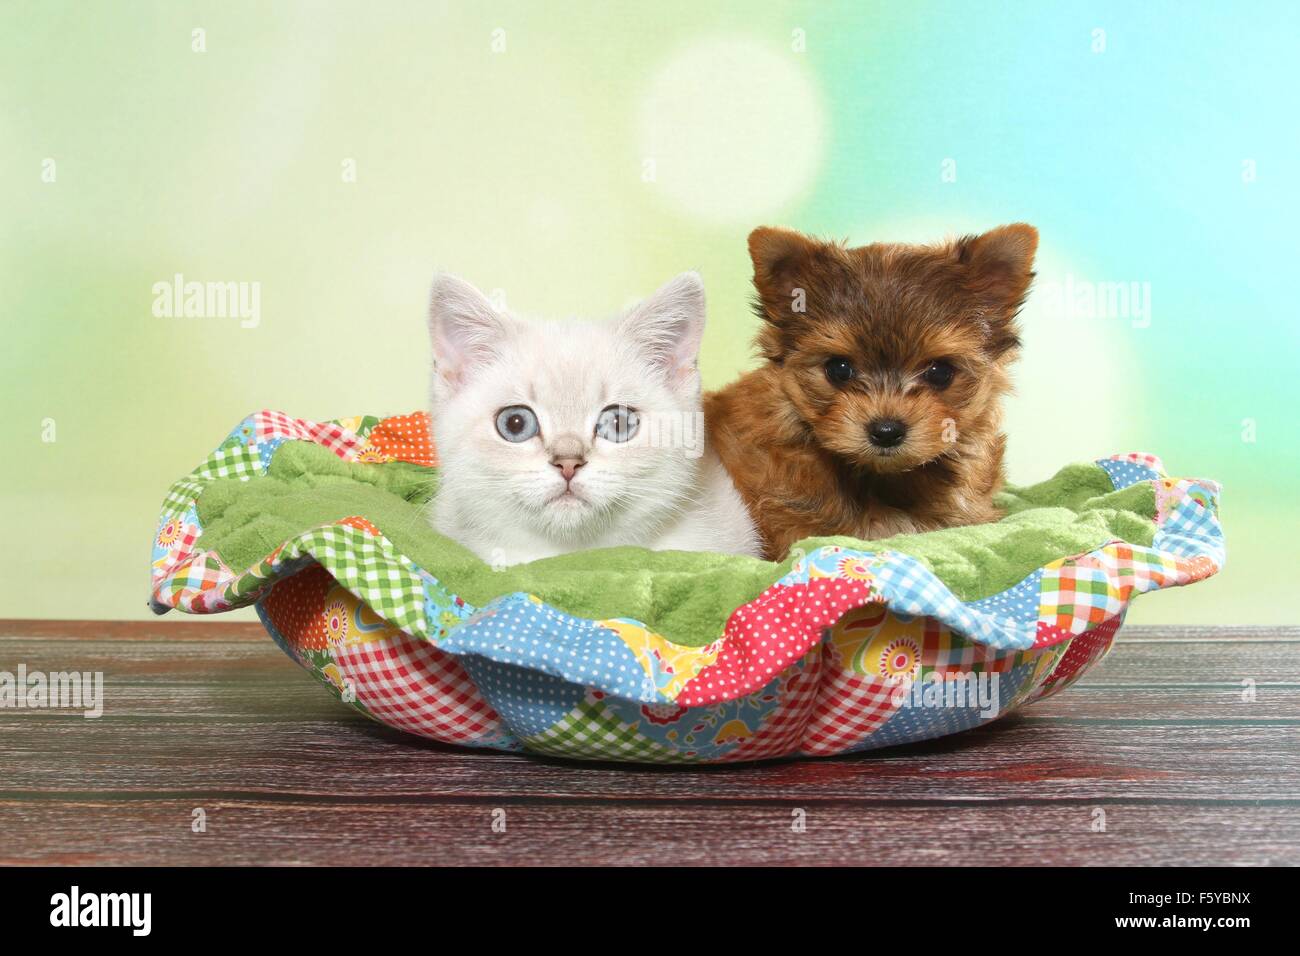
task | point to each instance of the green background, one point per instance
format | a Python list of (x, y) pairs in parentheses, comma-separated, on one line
[(573, 156)]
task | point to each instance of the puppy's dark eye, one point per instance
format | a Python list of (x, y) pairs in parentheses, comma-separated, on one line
[(939, 374), (839, 369)]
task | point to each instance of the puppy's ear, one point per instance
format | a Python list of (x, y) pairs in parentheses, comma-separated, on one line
[(667, 327), (464, 327), (998, 267), (786, 264), (779, 255), (1000, 263)]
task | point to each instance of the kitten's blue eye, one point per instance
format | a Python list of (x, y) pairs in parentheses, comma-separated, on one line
[(617, 423), (516, 423)]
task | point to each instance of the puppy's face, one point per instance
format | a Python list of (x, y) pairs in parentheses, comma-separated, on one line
[(893, 355)]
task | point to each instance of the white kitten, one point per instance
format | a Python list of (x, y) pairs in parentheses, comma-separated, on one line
[(554, 437)]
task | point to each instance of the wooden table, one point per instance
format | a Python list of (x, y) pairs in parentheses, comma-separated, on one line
[(1158, 743)]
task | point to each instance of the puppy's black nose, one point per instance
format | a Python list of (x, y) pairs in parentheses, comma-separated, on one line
[(886, 432)]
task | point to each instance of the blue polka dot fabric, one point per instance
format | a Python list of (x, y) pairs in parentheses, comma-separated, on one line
[(1018, 603), (1124, 473), (520, 630), (530, 701), (266, 451)]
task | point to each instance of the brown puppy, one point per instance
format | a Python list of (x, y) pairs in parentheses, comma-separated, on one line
[(877, 410)]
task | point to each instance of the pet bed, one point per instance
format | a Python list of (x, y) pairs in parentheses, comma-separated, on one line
[(632, 655)]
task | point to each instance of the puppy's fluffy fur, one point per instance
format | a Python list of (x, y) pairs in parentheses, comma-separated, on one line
[(877, 409)]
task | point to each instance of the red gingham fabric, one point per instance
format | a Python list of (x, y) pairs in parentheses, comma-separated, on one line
[(270, 424), (180, 549), (411, 685), (188, 537), (849, 707), (781, 732)]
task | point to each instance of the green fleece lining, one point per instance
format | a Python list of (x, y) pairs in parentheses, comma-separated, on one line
[(676, 593)]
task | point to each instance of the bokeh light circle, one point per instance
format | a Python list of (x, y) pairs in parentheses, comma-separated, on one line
[(731, 131)]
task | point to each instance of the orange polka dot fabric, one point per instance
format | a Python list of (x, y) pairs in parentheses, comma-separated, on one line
[(297, 604), (361, 524), (404, 438)]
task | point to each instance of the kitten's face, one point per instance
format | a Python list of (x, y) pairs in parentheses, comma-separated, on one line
[(567, 428)]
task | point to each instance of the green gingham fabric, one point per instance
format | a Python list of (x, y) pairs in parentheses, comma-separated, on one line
[(592, 732)]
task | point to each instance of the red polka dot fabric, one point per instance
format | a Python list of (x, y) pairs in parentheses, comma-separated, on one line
[(771, 633), (1084, 650)]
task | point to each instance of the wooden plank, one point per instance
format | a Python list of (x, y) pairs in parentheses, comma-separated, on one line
[(1015, 759), (1137, 664), (162, 662), (245, 703), (170, 627), (181, 697), (1184, 633), (214, 715), (1219, 662), (459, 831), (1174, 703)]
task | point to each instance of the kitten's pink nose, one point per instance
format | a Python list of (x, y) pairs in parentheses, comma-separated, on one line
[(568, 466)]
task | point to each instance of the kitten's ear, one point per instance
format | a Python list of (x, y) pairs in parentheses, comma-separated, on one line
[(667, 327), (1000, 264), (465, 328)]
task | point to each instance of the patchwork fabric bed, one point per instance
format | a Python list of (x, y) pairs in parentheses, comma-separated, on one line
[(632, 655)]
